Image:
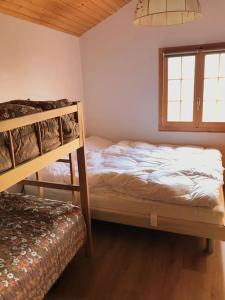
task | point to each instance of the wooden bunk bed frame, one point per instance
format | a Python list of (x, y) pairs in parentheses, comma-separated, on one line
[(18, 174)]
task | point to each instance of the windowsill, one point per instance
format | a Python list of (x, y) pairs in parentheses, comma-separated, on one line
[(185, 127), (189, 128)]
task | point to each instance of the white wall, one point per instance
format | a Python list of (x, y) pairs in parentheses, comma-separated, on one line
[(120, 71), (37, 62)]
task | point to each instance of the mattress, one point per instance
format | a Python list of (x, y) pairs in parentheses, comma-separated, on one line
[(38, 238), (25, 138), (106, 200), (182, 175)]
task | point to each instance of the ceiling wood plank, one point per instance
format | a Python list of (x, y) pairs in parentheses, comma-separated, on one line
[(32, 15), (71, 16), (46, 14)]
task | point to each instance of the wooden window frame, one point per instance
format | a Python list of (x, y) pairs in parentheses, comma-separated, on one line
[(196, 125)]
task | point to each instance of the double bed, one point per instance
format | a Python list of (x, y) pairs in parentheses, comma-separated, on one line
[(165, 187)]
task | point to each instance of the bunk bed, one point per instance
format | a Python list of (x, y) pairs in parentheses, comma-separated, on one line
[(40, 236), (120, 193)]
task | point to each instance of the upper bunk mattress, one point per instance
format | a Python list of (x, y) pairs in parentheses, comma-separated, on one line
[(25, 142), (182, 175), (38, 238)]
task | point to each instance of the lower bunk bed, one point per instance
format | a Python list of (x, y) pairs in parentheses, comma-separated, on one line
[(38, 238), (188, 182)]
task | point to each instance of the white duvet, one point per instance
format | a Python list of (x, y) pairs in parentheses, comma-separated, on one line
[(180, 175)]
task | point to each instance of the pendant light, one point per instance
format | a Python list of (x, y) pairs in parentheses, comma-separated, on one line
[(166, 12)]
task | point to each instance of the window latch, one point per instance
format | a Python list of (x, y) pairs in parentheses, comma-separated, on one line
[(198, 103)]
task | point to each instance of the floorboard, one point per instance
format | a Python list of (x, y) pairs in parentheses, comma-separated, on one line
[(138, 264)]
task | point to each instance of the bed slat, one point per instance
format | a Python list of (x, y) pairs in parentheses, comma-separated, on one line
[(51, 185), (60, 130), (11, 149)]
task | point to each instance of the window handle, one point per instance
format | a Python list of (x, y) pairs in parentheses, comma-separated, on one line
[(198, 103)]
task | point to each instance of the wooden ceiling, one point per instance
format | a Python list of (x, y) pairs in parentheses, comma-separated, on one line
[(70, 16)]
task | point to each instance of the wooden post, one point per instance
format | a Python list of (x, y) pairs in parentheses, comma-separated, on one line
[(84, 195), (39, 140), (83, 182)]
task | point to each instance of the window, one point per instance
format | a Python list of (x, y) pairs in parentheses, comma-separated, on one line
[(192, 88)]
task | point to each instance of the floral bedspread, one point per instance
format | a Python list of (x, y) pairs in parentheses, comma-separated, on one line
[(38, 238)]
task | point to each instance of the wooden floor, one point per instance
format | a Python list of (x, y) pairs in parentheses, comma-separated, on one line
[(137, 264)]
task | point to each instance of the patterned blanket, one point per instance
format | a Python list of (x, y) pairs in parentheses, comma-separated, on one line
[(38, 238)]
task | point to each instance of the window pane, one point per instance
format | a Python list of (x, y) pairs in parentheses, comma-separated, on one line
[(186, 112), (211, 65), (187, 91), (188, 67), (221, 111), (210, 89), (222, 65), (214, 112), (209, 111), (173, 111), (221, 89), (181, 74), (214, 88), (174, 90), (174, 67)]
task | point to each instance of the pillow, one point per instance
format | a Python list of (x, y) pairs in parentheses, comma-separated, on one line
[(96, 143)]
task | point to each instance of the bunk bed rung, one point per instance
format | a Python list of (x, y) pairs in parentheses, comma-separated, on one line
[(39, 137), (52, 185), (11, 149), (39, 140), (60, 130), (66, 161)]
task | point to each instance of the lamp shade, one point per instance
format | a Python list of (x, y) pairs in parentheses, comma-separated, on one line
[(166, 12)]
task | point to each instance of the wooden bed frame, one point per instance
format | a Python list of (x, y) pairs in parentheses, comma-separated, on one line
[(18, 174), (210, 232)]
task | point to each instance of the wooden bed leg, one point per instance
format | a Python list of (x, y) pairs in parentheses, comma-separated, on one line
[(40, 189), (209, 246), (84, 195)]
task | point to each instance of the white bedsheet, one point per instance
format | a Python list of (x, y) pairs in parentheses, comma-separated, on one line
[(176, 175)]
